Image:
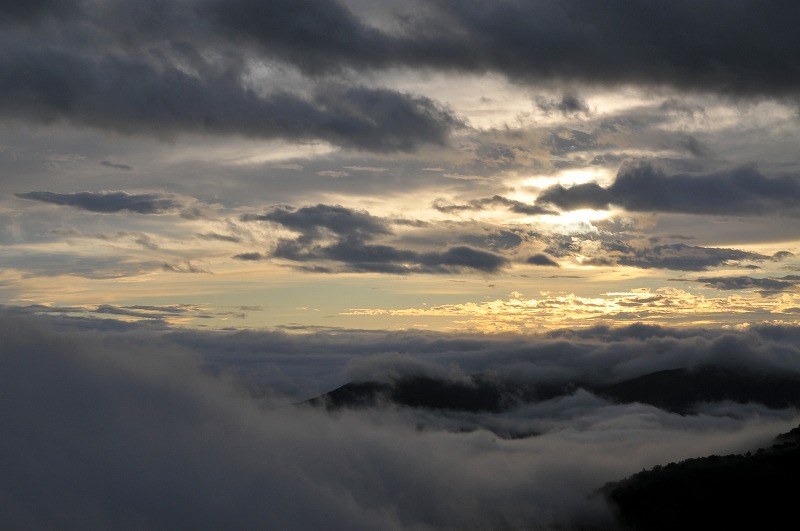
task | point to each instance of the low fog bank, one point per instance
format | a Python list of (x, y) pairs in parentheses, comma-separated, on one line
[(153, 428)]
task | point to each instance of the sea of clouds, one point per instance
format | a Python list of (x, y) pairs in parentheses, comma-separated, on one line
[(130, 427)]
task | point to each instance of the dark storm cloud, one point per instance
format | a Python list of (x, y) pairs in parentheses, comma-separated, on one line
[(183, 67), (28, 11), (356, 255), (252, 257), (107, 202), (518, 207), (587, 195), (676, 256), (462, 256), (781, 255), (312, 220), (136, 97), (381, 119), (736, 47), (568, 105), (541, 260), (642, 187), (741, 47), (500, 240), (766, 286), (316, 35), (342, 235)]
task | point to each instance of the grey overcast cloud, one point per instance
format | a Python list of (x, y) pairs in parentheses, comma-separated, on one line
[(213, 211)]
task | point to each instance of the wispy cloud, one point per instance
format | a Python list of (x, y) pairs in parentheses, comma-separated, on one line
[(107, 202)]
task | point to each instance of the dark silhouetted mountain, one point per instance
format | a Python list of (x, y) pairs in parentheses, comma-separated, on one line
[(354, 395), (675, 390), (424, 392), (732, 492)]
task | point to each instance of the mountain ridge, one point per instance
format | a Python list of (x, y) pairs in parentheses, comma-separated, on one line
[(675, 390)]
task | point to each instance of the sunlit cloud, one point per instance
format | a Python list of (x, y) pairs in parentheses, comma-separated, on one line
[(550, 311)]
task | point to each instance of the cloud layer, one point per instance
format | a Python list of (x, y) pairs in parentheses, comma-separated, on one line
[(123, 429), (738, 49), (188, 66)]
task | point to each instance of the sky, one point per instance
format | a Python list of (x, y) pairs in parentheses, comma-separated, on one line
[(282, 196), (519, 166)]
